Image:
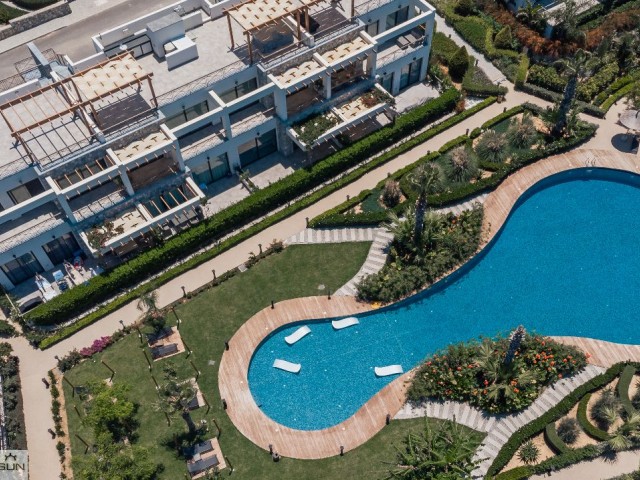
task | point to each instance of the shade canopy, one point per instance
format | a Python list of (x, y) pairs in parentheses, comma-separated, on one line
[(631, 120)]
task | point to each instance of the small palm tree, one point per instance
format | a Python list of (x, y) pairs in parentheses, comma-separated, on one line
[(531, 14), (522, 132), (460, 165), (568, 430), (427, 179), (175, 397), (529, 453), (148, 302), (492, 147)]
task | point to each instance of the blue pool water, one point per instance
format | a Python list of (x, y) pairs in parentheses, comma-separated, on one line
[(567, 262)]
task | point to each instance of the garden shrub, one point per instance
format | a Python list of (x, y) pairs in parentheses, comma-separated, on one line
[(459, 63), (555, 97), (503, 38), (102, 287), (442, 48), (605, 409), (492, 147), (623, 389), (460, 165), (588, 427), (536, 426), (8, 13), (476, 372), (522, 132), (411, 267), (12, 399), (465, 7), (597, 82), (567, 431), (523, 69), (474, 31), (391, 193), (475, 82), (529, 453), (546, 77), (34, 4)]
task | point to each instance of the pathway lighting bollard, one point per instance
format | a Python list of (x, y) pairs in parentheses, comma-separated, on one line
[(214, 274), (307, 220), (184, 291), (388, 419), (260, 248), (341, 450), (270, 449), (329, 294), (121, 323), (226, 345), (46, 384), (224, 404), (53, 434), (272, 305)]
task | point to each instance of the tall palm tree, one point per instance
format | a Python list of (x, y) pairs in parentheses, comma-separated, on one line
[(175, 397), (426, 178), (577, 68), (627, 434)]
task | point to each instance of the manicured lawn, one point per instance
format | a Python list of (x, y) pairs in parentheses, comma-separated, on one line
[(207, 321), (9, 13)]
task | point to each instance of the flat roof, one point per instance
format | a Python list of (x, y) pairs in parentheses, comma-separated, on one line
[(117, 73)]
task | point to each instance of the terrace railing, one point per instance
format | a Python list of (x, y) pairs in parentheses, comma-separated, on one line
[(387, 56), (201, 83), (370, 5)]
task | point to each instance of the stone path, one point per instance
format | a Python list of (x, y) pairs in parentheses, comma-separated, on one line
[(499, 428)]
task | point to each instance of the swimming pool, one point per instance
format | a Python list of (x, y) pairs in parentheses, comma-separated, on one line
[(567, 262)]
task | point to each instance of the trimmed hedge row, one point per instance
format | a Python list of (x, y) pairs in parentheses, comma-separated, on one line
[(521, 73), (556, 97), (552, 438), (536, 426), (101, 288), (614, 97), (588, 427), (623, 389)]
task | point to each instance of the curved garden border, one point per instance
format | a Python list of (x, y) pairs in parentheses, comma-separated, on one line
[(371, 417)]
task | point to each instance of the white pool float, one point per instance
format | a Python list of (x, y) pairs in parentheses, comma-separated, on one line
[(287, 366), (344, 323), (297, 335), (388, 370)]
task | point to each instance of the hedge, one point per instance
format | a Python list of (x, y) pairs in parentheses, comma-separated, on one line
[(77, 300), (8, 13), (615, 87), (608, 103), (554, 441), (34, 4), (623, 389), (588, 427), (556, 97), (523, 68), (476, 83), (536, 426)]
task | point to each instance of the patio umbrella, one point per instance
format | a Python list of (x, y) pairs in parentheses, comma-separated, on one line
[(631, 120)]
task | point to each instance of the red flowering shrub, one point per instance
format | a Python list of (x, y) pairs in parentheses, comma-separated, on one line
[(97, 346), (477, 373)]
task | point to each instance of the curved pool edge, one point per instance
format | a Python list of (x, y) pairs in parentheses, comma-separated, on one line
[(500, 203), (371, 417)]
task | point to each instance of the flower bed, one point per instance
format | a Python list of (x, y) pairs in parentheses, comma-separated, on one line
[(477, 373)]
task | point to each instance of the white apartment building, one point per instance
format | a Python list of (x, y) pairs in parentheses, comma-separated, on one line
[(102, 155)]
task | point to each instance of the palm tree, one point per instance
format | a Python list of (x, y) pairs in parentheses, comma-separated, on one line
[(148, 302), (626, 435), (443, 450), (176, 397), (407, 246), (531, 14), (577, 69), (426, 178)]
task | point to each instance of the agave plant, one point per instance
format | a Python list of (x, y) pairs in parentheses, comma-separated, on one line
[(529, 453), (522, 132), (460, 165), (492, 147)]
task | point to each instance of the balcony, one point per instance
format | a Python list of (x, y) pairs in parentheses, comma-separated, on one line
[(400, 47), (143, 146), (97, 200), (30, 225), (153, 171), (202, 140), (249, 118), (340, 118), (170, 211), (83, 172)]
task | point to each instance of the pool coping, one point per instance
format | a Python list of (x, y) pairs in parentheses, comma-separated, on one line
[(371, 417)]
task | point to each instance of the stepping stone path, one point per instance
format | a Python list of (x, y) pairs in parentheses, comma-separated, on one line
[(499, 428)]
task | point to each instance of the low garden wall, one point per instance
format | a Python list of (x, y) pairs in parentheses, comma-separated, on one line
[(34, 19)]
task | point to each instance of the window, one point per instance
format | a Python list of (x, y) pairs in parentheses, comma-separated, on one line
[(239, 90), (26, 191), (211, 170), (187, 114), (62, 248), (410, 73), (22, 268), (396, 18), (258, 148), (372, 28), (387, 82)]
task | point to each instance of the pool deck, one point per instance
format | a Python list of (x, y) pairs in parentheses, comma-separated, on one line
[(371, 417)]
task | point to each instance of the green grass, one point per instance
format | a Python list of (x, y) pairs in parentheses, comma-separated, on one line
[(207, 321), (9, 13)]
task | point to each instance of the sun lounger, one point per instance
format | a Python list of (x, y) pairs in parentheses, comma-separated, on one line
[(388, 370), (286, 366), (297, 335), (164, 350), (344, 323)]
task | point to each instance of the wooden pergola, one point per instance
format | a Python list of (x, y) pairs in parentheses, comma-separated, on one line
[(253, 15), (70, 96)]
